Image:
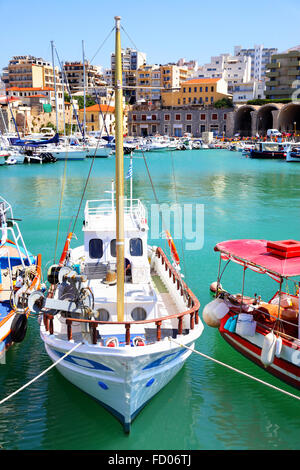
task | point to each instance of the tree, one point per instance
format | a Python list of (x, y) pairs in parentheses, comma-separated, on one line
[(224, 103)]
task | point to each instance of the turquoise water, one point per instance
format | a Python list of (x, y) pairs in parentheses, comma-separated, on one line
[(205, 406)]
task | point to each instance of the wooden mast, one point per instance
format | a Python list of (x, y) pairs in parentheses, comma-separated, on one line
[(119, 174)]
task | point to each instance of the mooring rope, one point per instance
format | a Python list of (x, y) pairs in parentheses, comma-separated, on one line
[(235, 370), (40, 375)]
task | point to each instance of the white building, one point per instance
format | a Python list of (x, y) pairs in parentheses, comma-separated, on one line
[(233, 69), (244, 92), (260, 56)]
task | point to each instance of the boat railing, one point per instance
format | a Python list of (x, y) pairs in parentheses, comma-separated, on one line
[(100, 207), (192, 311)]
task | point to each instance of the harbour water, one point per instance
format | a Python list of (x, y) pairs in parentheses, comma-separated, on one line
[(206, 406)]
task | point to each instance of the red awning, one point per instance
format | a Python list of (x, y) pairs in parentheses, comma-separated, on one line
[(254, 254)]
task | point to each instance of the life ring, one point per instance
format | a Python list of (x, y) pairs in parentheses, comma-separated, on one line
[(65, 250), (172, 247), (18, 328)]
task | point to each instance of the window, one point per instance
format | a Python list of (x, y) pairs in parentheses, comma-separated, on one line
[(212, 88), (177, 117), (189, 128), (102, 314), (113, 250), (138, 314), (136, 247), (95, 248), (195, 89), (188, 117), (225, 116), (143, 117), (184, 90), (206, 88), (153, 117), (203, 117), (214, 117), (167, 117), (190, 89), (134, 117)]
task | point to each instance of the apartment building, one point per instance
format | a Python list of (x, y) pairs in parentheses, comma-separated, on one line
[(233, 69), (148, 77), (260, 57), (132, 60), (283, 75), (173, 75), (30, 72), (197, 91), (77, 74)]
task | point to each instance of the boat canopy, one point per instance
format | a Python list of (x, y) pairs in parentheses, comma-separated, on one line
[(277, 259), (34, 143)]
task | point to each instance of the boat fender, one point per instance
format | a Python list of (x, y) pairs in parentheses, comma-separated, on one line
[(18, 328), (139, 341), (214, 287), (278, 347), (268, 349), (112, 342), (213, 312)]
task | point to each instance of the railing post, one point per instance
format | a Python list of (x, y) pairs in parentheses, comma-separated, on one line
[(197, 317), (127, 335), (69, 329), (51, 325), (192, 324), (180, 322), (94, 333), (158, 330)]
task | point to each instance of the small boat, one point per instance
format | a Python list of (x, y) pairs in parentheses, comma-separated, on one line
[(270, 150), (293, 154), (264, 331), (118, 301), (20, 274)]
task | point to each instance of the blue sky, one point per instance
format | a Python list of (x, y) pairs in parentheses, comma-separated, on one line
[(165, 29)]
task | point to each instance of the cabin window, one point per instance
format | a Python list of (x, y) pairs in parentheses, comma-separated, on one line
[(102, 314), (96, 248), (139, 314), (113, 249), (136, 247)]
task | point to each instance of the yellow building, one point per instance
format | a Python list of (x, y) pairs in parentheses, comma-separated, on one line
[(173, 75), (203, 91), (98, 118)]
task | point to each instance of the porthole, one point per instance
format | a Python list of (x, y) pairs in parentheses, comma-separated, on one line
[(102, 314), (138, 314)]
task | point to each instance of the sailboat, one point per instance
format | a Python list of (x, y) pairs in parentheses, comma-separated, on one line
[(20, 274), (117, 301)]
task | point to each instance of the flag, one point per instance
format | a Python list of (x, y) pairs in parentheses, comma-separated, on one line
[(129, 172)]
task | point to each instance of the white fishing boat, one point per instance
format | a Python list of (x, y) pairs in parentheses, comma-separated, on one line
[(20, 274), (114, 303), (293, 154)]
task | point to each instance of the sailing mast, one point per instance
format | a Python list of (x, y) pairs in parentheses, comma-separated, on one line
[(55, 92), (119, 174)]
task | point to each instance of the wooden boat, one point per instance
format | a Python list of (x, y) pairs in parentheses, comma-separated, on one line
[(20, 274), (266, 332), (117, 300)]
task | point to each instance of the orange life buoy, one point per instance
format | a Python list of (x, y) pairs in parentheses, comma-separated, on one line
[(172, 247), (65, 250)]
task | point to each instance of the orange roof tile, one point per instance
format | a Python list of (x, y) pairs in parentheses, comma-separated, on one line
[(103, 108), (202, 80), (15, 88)]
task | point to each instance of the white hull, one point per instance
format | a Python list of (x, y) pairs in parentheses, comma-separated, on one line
[(289, 158), (69, 154), (122, 379), (98, 152)]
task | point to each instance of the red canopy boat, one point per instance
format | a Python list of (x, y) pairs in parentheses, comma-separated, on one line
[(267, 333)]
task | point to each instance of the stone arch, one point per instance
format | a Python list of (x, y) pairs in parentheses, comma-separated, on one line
[(266, 118), (289, 118), (243, 124)]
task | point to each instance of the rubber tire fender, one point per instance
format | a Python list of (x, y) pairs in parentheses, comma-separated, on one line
[(18, 328)]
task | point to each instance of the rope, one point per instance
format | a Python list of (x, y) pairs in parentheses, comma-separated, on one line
[(237, 370), (40, 375)]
